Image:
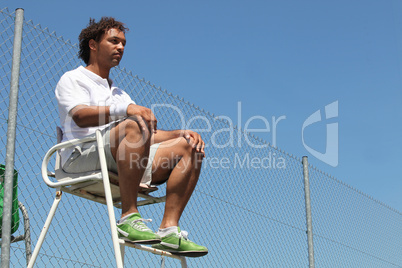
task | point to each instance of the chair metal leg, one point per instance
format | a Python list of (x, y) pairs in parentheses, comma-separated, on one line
[(122, 251), (109, 201), (45, 228), (119, 254), (183, 262)]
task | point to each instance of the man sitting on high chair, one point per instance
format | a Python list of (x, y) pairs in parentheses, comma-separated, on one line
[(135, 149)]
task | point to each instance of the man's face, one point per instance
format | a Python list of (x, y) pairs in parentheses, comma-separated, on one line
[(111, 48)]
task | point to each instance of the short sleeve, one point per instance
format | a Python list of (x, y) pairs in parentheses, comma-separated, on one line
[(70, 94)]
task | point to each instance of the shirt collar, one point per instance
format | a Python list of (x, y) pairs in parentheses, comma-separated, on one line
[(96, 77)]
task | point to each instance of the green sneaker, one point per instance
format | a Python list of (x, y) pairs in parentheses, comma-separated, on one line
[(133, 229), (179, 244)]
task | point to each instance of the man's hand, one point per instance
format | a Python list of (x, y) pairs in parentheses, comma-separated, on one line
[(195, 140), (144, 116)]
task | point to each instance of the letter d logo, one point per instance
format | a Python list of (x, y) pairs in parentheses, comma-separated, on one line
[(331, 153)]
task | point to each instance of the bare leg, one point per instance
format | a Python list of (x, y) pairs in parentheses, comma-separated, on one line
[(183, 171), (130, 148)]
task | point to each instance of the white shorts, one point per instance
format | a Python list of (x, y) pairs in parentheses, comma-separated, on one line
[(85, 157)]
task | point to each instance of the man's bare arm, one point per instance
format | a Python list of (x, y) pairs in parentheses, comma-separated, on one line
[(91, 116)]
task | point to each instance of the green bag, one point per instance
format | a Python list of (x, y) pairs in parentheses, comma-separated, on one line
[(15, 218)]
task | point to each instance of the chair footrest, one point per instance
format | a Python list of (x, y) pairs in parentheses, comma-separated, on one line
[(148, 249)]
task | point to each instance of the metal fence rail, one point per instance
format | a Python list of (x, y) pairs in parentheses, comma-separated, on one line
[(248, 207)]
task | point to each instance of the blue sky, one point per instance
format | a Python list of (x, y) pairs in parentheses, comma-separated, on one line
[(282, 59)]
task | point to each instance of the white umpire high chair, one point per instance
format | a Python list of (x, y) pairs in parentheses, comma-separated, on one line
[(100, 186)]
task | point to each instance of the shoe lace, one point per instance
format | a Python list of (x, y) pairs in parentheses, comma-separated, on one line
[(140, 224), (184, 235)]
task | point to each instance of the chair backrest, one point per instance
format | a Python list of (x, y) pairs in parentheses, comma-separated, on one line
[(58, 170), (59, 133)]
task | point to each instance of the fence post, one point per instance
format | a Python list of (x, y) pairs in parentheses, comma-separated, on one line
[(308, 212), (11, 132)]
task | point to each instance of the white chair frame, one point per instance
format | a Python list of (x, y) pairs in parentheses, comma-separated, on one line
[(95, 186)]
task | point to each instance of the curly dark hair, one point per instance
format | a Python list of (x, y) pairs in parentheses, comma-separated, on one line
[(95, 31)]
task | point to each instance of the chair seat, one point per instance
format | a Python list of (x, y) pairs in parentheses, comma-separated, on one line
[(94, 189)]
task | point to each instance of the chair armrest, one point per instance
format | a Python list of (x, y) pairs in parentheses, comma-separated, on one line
[(46, 173)]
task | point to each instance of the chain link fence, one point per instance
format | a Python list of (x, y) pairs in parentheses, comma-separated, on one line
[(248, 207)]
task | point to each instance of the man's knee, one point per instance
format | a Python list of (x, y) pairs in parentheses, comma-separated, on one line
[(135, 132), (188, 150), (129, 132)]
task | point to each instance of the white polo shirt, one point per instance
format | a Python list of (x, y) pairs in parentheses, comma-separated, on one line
[(81, 86)]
